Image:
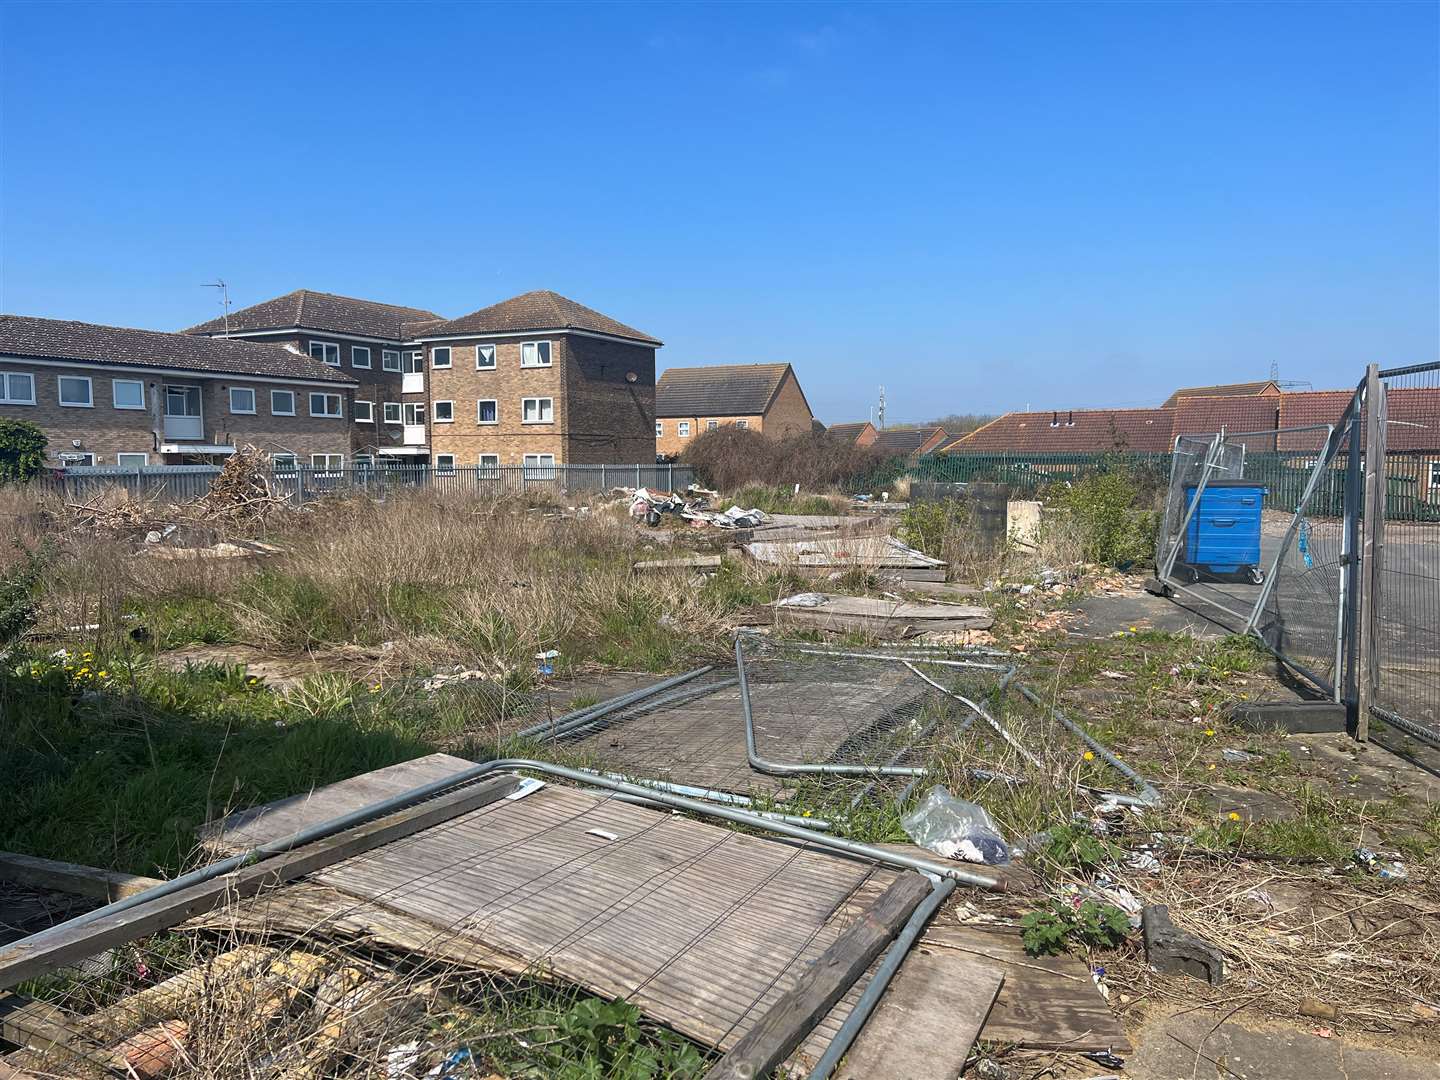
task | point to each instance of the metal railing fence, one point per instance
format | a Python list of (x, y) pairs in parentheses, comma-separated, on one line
[(304, 484)]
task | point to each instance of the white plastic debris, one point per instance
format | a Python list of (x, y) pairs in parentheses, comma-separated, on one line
[(804, 600), (956, 829), (603, 834)]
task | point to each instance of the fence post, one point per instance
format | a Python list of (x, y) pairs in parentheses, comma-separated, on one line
[(1371, 552), (669, 477)]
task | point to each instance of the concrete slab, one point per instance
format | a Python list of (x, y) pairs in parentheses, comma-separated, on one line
[(1191, 1047), (1103, 615)]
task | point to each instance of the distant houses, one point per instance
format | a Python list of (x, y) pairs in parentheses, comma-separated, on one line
[(762, 397)]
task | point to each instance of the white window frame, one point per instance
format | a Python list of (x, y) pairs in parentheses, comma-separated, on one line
[(339, 460), (254, 404), (67, 458), (88, 403), (413, 413), (1435, 474), (532, 348), (284, 463), (355, 351), (385, 413), (5, 398), (282, 412), (435, 351), (368, 418), (536, 466), (659, 429), (487, 401), (742, 423), (412, 362), (682, 429), (115, 384), (489, 466), (339, 403), (144, 460), (540, 403), (363, 462), (390, 360), (435, 412), (711, 425), (325, 347), (444, 464), (483, 350)]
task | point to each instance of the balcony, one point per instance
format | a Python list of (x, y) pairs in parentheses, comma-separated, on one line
[(412, 382), (184, 427), (414, 434)]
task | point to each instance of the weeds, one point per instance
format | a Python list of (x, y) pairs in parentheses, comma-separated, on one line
[(1050, 931)]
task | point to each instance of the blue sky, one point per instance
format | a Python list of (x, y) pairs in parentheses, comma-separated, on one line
[(980, 206)]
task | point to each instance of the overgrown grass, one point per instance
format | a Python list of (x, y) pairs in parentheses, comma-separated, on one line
[(782, 500)]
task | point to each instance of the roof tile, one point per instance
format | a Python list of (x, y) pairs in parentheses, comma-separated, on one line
[(311, 310), (718, 390), (540, 310)]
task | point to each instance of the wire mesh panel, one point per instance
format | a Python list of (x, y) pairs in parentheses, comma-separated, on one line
[(1407, 582)]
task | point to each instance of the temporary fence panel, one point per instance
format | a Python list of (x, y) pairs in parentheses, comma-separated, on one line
[(1402, 634)]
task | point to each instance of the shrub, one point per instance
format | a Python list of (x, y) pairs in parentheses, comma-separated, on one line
[(1105, 510), (18, 588), (22, 450), (730, 457)]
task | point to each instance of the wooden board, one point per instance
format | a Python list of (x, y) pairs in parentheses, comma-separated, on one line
[(875, 552), (1047, 1002), (70, 877), (927, 1021), (883, 616)]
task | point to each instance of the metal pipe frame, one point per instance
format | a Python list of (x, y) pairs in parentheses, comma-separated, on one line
[(381, 808), (1148, 795), (579, 717), (880, 981), (1163, 573), (589, 725), (768, 815)]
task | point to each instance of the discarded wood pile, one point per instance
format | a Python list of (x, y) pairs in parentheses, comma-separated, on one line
[(873, 553), (878, 616)]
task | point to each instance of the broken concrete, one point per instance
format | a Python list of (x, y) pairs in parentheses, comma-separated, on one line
[(1170, 949)]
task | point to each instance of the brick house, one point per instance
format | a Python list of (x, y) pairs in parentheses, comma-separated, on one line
[(910, 442), (107, 395), (861, 434), (763, 397), (373, 343), (539, 380)]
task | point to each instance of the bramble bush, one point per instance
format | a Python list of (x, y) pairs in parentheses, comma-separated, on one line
[(22, 450), (730, 457)]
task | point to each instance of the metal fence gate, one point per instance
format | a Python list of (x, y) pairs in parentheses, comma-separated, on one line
[(1349, 592)]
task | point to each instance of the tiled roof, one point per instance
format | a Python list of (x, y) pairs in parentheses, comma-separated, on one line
[(904, 440), (58, 339), (321, 311), (1412, 415), (1239, 389), (1237, 415), (1072, 431), (540, 310), (847, 432), (718, 390)]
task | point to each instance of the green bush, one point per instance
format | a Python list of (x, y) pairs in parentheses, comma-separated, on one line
[(22, 450), (1105, 507), (730, 457), (18, 588), (926, 525)]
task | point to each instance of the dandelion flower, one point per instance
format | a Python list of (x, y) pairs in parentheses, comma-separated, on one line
[(1209, 731), (1233, 816), (1089, 755)]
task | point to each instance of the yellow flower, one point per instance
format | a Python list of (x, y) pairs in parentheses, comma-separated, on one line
[(375, 689), (1134, 630), (1233, 816), (1209, 731), (1211, 766), (1089, 755), (103, 673)]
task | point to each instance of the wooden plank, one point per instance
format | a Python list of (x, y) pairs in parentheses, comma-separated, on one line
[(1371, 552), (34, 956), (825, 982), (928, 1019), (53, 1033), (694, 562), (68, 877), (1046, 1003)]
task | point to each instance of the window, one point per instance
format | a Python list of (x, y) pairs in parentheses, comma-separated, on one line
[(242, 399), (659, 428), (539, 466), (484, 357), (742, 423), (71, 457), (711, 425), (327, 351), (392, 412), (537, 410), (326, 405), (490, 466), (413, 362), (360, 356), (440, 356), (444, 412), (390, 359), (1435, 474), (282, 463), (132, 461), (75, 391), (282, 402), (364, 462), (414, 412), (535, 354), (327, 462), (16, 388), (364, 412), (683, 429), (444, 464), (487, 411), (127, 393)]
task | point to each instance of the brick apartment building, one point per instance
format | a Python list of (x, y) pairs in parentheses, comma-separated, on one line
[(324, 380), (108, 395), (763, 397)]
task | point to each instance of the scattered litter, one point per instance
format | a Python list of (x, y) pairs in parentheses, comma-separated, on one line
[(1260, 898), (989, 1069), (1324, 1032), (154, 536), (528, 786), (401, 1059), (1385, 869), (1144, 861), (1097, 976), (1240, 757), (956, 829), (804, 600), (1114, 675), (650, 507), (603, 834), (435, 682), (1320, 1010)]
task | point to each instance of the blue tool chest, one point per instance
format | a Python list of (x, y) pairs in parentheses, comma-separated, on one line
[(1223, 536)]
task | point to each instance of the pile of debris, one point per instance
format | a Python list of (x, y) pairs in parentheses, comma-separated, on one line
[(693, 506)]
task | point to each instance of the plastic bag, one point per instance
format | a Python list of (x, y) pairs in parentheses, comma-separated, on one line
[(956, 829)]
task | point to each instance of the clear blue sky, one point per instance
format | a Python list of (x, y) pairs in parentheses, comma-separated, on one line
[(980, 206)]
